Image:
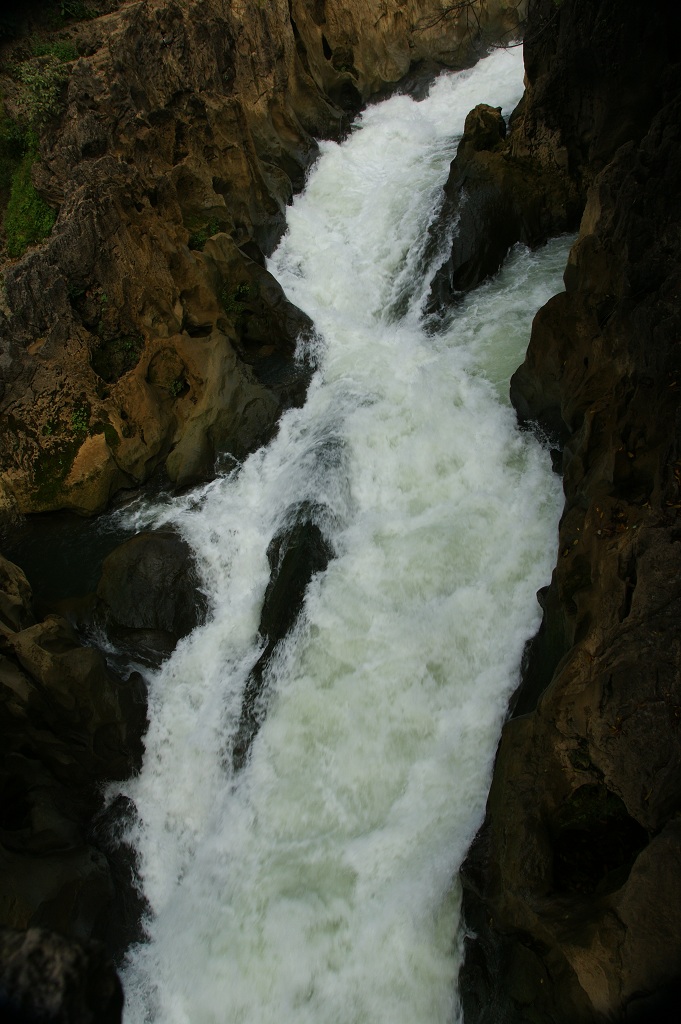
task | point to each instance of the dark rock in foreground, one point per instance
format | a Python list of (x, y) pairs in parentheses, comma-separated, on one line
[(48, 979), (68, 725)]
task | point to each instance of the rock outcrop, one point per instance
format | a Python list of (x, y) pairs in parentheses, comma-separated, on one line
[(573, 884), (148, 595), (184, 131), (296, 554)]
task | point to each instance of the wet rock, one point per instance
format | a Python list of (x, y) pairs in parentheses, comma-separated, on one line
[(492, 201), (47, 978), (295, 555), (148, 596)]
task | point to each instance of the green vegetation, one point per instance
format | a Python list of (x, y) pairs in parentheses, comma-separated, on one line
[(235, 302), (51, 469), (44, 79), (28, 218), (198, 238), (62, 49), (178, 387), (80, 419)]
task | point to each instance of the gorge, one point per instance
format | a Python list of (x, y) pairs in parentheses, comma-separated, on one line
[(570, 888)]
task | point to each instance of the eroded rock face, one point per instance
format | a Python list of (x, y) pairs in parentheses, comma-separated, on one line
[(570, 883), (183, 123)]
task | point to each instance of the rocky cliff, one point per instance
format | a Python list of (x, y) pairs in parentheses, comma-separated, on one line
[(574, 883), (169, 145)]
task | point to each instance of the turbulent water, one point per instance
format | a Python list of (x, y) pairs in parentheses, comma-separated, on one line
[(319, 884)]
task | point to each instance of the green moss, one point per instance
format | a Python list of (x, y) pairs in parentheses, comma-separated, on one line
[(28, 218), (80, 419), (116, 356)]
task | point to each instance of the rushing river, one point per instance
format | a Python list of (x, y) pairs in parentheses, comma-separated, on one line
[(319, 885)]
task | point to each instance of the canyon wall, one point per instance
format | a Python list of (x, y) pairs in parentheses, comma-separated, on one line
[(572, 887)]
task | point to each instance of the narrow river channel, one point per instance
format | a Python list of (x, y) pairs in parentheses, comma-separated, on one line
[(319, 884)]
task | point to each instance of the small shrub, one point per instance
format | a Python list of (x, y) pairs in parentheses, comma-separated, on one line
[(178, 387), (44, 79), (235, 302), (198, 238)]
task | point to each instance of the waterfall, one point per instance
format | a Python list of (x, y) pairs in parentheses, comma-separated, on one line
[(319, 884)]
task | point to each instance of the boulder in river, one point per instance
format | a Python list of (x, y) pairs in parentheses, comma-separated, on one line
[(297, 552), (148, 596)]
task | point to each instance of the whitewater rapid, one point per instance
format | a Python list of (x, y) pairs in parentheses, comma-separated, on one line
[(319, 885)]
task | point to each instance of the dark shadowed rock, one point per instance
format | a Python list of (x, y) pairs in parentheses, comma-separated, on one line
[(67, 725), (295, 555), (494, 199), (148, 595), (48, 979)]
